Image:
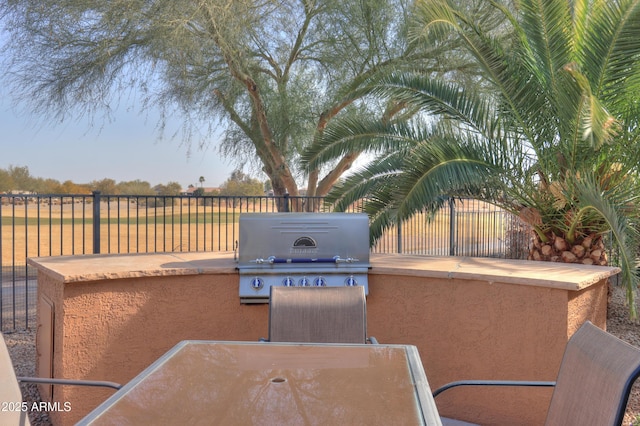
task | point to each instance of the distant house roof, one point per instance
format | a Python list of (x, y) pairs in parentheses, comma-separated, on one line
[(20, 192), (192, 189)]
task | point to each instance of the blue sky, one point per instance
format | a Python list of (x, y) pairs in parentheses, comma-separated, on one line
[(128, 147)]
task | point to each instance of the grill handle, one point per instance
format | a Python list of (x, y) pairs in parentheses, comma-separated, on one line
[(303, 260), (335, 259)]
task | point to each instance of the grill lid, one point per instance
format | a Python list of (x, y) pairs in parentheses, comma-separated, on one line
[(303, 238)]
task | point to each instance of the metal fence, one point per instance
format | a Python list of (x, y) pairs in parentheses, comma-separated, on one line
[(59, 225)]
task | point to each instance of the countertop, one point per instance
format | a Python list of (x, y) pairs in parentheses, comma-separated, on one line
[(83, 268)]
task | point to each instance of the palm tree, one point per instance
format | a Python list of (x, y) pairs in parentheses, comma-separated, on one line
[(550, 132)]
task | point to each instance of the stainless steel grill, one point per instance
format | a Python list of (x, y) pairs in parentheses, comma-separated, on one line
[(301, 249)]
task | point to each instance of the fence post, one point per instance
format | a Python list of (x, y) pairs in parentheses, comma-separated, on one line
[(96, 222), (399, 236), (452, 227), (286, 202)]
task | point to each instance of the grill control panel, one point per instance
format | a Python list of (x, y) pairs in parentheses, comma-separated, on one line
[(257, 283), (255, 288)]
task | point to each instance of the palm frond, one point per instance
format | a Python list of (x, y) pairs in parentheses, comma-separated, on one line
[(607, 205), (443, 166), (344, 135), (364, 182), (610, 49), (546, 25), (440, 98)]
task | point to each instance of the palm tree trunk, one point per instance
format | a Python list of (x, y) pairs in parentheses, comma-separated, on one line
[(587, 251)]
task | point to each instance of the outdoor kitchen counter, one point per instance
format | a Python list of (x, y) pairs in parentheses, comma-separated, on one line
[(108, 317), (542, 274), (85, 268), (72, 269)]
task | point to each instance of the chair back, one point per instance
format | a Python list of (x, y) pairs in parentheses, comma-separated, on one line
[(317, 314), (594, 380)]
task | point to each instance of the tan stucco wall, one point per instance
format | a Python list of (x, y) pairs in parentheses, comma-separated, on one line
[(481, 330), (111, 329)]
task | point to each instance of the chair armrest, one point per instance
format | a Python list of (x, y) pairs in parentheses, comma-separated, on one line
[(491, 383), (45, 381)]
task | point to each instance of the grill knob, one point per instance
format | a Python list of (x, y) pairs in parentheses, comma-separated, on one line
[(288, 282), (351, 281), (320, 282), (257, 283), (304, 282)]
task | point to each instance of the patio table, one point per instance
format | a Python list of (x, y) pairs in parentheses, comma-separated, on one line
[(244, 383)]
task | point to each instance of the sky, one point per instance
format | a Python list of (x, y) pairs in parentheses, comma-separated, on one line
[(126, 148)]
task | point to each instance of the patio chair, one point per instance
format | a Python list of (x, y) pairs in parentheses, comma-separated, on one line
[(318, 315), (10, 389), (593, 383), (69, 382)]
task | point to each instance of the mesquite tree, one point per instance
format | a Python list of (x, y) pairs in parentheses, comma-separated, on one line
[(268, 74)]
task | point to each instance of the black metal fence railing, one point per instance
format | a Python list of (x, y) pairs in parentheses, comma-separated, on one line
[(60, 224)]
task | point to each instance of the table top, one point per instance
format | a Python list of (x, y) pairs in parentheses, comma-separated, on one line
[(245, 383)]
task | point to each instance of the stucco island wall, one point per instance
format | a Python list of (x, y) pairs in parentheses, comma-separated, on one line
[(108, 317)]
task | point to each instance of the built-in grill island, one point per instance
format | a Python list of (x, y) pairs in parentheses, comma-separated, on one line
[(301, 249)]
